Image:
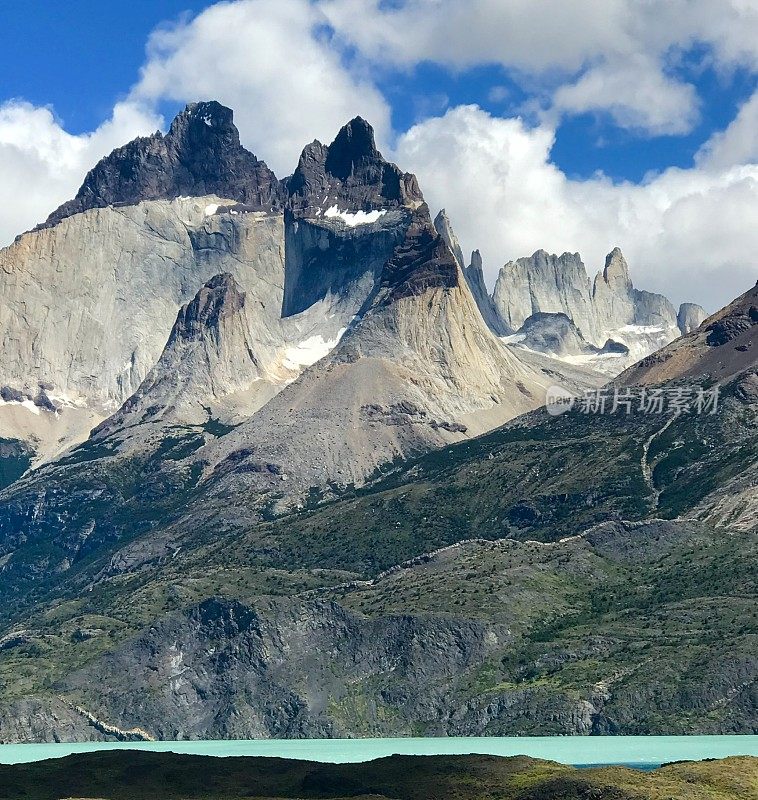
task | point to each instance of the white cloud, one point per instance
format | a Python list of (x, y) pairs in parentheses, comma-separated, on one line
[(532, 35), (687, 233), (268, 60), (607, 55), (636, 93), (42, 165), (738, 144)]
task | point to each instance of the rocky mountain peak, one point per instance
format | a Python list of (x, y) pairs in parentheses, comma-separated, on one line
[(422, 262), (200, 155), (690, 317), (445, 229), (209, 355), (607, 308), (616, 272), (219, 298), (205, 120), (351, 174), (353, 148), (474, 275)]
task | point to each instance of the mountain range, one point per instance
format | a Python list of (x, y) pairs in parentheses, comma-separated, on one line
[(274, 462)]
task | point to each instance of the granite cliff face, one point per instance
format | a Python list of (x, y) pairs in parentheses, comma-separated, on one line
[(606, 310), (210, 356), (557, 335), (152, 223), (612, 316)]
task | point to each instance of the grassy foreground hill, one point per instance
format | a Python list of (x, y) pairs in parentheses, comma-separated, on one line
[(152, 776)]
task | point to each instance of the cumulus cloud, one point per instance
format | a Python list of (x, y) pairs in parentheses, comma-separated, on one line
[(42, 165), (585, 55), (272, 62), (636, 93), (688, 233), (738, 144)]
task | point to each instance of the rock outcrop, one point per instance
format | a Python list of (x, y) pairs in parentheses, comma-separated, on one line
[(607, 308), (556, 334), (349, 176), (200, 155), (548, 283), (444, 227), (210, 355), (690, 317), (473, 273)]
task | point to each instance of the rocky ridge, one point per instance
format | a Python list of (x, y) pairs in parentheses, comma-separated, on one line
[(200, 155), (605, 309)]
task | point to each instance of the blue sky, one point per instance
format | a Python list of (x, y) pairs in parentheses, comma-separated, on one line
[(80, 57), (577, 124)]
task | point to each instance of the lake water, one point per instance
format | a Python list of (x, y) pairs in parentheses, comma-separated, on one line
[(638, 751)]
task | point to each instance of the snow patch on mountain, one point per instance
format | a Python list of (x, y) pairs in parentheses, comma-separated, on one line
[(310, 350), (28, 404), (357, 218)]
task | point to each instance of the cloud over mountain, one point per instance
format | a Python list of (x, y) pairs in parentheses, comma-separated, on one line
[(506, 198)]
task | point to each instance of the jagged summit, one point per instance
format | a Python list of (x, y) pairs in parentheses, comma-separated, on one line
[(616, 271), (606, 309), (444, 227), (218, 299), (353, 147), (210, 354), (350, 174), (200, 155), (424, 261), (474, 273)]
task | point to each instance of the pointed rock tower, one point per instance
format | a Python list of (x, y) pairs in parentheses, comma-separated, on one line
[(209, 356)]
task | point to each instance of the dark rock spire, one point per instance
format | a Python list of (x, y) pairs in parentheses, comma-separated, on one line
[(201, 154), (351, 174)]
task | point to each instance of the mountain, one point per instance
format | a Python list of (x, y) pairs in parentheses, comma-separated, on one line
[(556, 334), (719, 348), (554, 576), (606, 309), (158, 219), (210, 358), (309, 348), (619, 323), (200, 155), (321, 496)]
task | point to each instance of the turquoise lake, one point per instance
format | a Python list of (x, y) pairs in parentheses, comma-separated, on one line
[(638, 751)]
